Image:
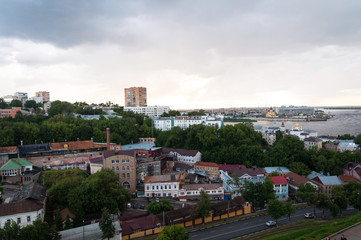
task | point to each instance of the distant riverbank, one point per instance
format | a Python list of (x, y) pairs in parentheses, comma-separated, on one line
[(342, 122)]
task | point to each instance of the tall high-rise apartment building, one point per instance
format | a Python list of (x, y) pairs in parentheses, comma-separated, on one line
[(45, 95), (135, 97)]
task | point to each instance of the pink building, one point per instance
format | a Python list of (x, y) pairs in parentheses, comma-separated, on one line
[(9, 112)]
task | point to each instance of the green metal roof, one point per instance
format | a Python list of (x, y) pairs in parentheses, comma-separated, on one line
[(16, 163)]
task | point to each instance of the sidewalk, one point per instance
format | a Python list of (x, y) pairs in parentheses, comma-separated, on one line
[(351, 233)]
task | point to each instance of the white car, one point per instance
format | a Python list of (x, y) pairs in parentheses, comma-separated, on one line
[(270, 223)]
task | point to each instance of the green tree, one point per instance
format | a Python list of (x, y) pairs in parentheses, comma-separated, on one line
[(258, 193), (357, 139), (306, 193), (174, 232), (30, 104), (106, 224), (59, 107), (204, 205), (67, 223), (58, 221), (324, 203), (39, 230), (334, 210), (276, 209), (16, 103), (339, 198), (279, 135), (355, 200), (10, 231), (274, 174), (157, 207), (290, 209), (3, 104), (299, 168), (345, 137)]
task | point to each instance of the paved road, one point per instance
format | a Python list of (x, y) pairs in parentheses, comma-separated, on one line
[(252, 225)]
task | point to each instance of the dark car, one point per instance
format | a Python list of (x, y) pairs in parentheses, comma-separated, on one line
[(142, 206), (135, 205)]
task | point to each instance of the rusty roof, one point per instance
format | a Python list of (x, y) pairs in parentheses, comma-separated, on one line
[(20, 207), (76, 145), (11, 149)]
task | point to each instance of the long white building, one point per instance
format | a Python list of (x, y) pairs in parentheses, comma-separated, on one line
[(151, 111), (167, 123)]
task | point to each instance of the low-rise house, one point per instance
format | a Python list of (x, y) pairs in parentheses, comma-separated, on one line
[(181, 167), (347, 146), (248, 174), (313, 143), (327, 183), (162, 186), (183, 155), (353, 170), (26, 211), (294, 182), (192, 191), (347, 179), (282, 171), (331, 146), (96, 164), (280, 186), (230, 167), (211, 169), (14, 169), (314, 174)]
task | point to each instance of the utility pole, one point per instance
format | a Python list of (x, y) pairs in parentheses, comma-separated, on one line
[(228, 208), (163, 219)]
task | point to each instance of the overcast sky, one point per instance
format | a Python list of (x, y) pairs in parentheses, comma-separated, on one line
[(188, 54)]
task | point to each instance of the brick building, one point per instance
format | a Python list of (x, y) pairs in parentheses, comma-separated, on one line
[(135, 96), (211, 169), (9, 112), (123, 163)]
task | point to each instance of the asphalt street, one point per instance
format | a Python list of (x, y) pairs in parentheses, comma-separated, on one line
[(252, 225)]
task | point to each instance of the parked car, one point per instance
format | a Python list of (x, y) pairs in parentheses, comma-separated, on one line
[(135, 205), (309, 215), (142, 206), (270, 223), (129, 205), (157, 199)]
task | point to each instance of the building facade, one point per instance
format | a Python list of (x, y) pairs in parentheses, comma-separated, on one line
[(167, 123), (135, 97), (161, 186), (43, 94), (313, 143), (211, 169), (280, 186), (151, 111), (192, 191), (123, 164), (9, 112), (183, 155)]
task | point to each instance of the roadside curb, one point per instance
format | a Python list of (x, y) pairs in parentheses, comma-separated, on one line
[(343, 230), (224, 223)]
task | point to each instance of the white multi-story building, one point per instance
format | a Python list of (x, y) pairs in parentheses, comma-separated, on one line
[(215, 191), (161, 186), (184, 155), (167, 123), (151, 111), (24, 212)]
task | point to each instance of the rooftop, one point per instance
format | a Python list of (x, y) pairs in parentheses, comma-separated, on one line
[(277, 169), (139, 146), (312, 139), (208, 186), (248, 171), (20, 207), (16, 163), (185, 152), (295, 179), (279, 180), (228, 167), (161, 178), (206, 164), (328, 180)]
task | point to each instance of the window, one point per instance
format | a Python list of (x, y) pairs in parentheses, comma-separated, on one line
[(128, 175), (28, 218), (147, 187), (175, 186), (123, 175), (123, 168), (113, 168), (157, 187), (126, 185), (153, 187), (165, 187), (127, 167), (117, 168), (161, 187), (19, 220)]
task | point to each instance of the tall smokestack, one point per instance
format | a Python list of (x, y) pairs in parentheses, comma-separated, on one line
[(108, 139)]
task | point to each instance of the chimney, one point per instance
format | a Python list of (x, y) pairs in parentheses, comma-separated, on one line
[(108, 139)]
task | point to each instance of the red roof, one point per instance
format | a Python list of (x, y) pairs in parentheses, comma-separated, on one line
[(227, 167), (206, 164), (279, 180), (346, 179), (295, 179)]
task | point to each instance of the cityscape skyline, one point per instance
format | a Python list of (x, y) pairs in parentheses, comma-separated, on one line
[(188, 55)]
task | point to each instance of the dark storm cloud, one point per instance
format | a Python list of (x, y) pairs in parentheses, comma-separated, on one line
[(232, 27)]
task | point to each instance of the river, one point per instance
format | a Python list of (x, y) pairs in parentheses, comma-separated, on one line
[(342, 122)]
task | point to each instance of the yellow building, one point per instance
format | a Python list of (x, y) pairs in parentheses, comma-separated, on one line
[(271, 114)]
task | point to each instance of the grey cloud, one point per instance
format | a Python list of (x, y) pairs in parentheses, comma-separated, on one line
[(232, 27)]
